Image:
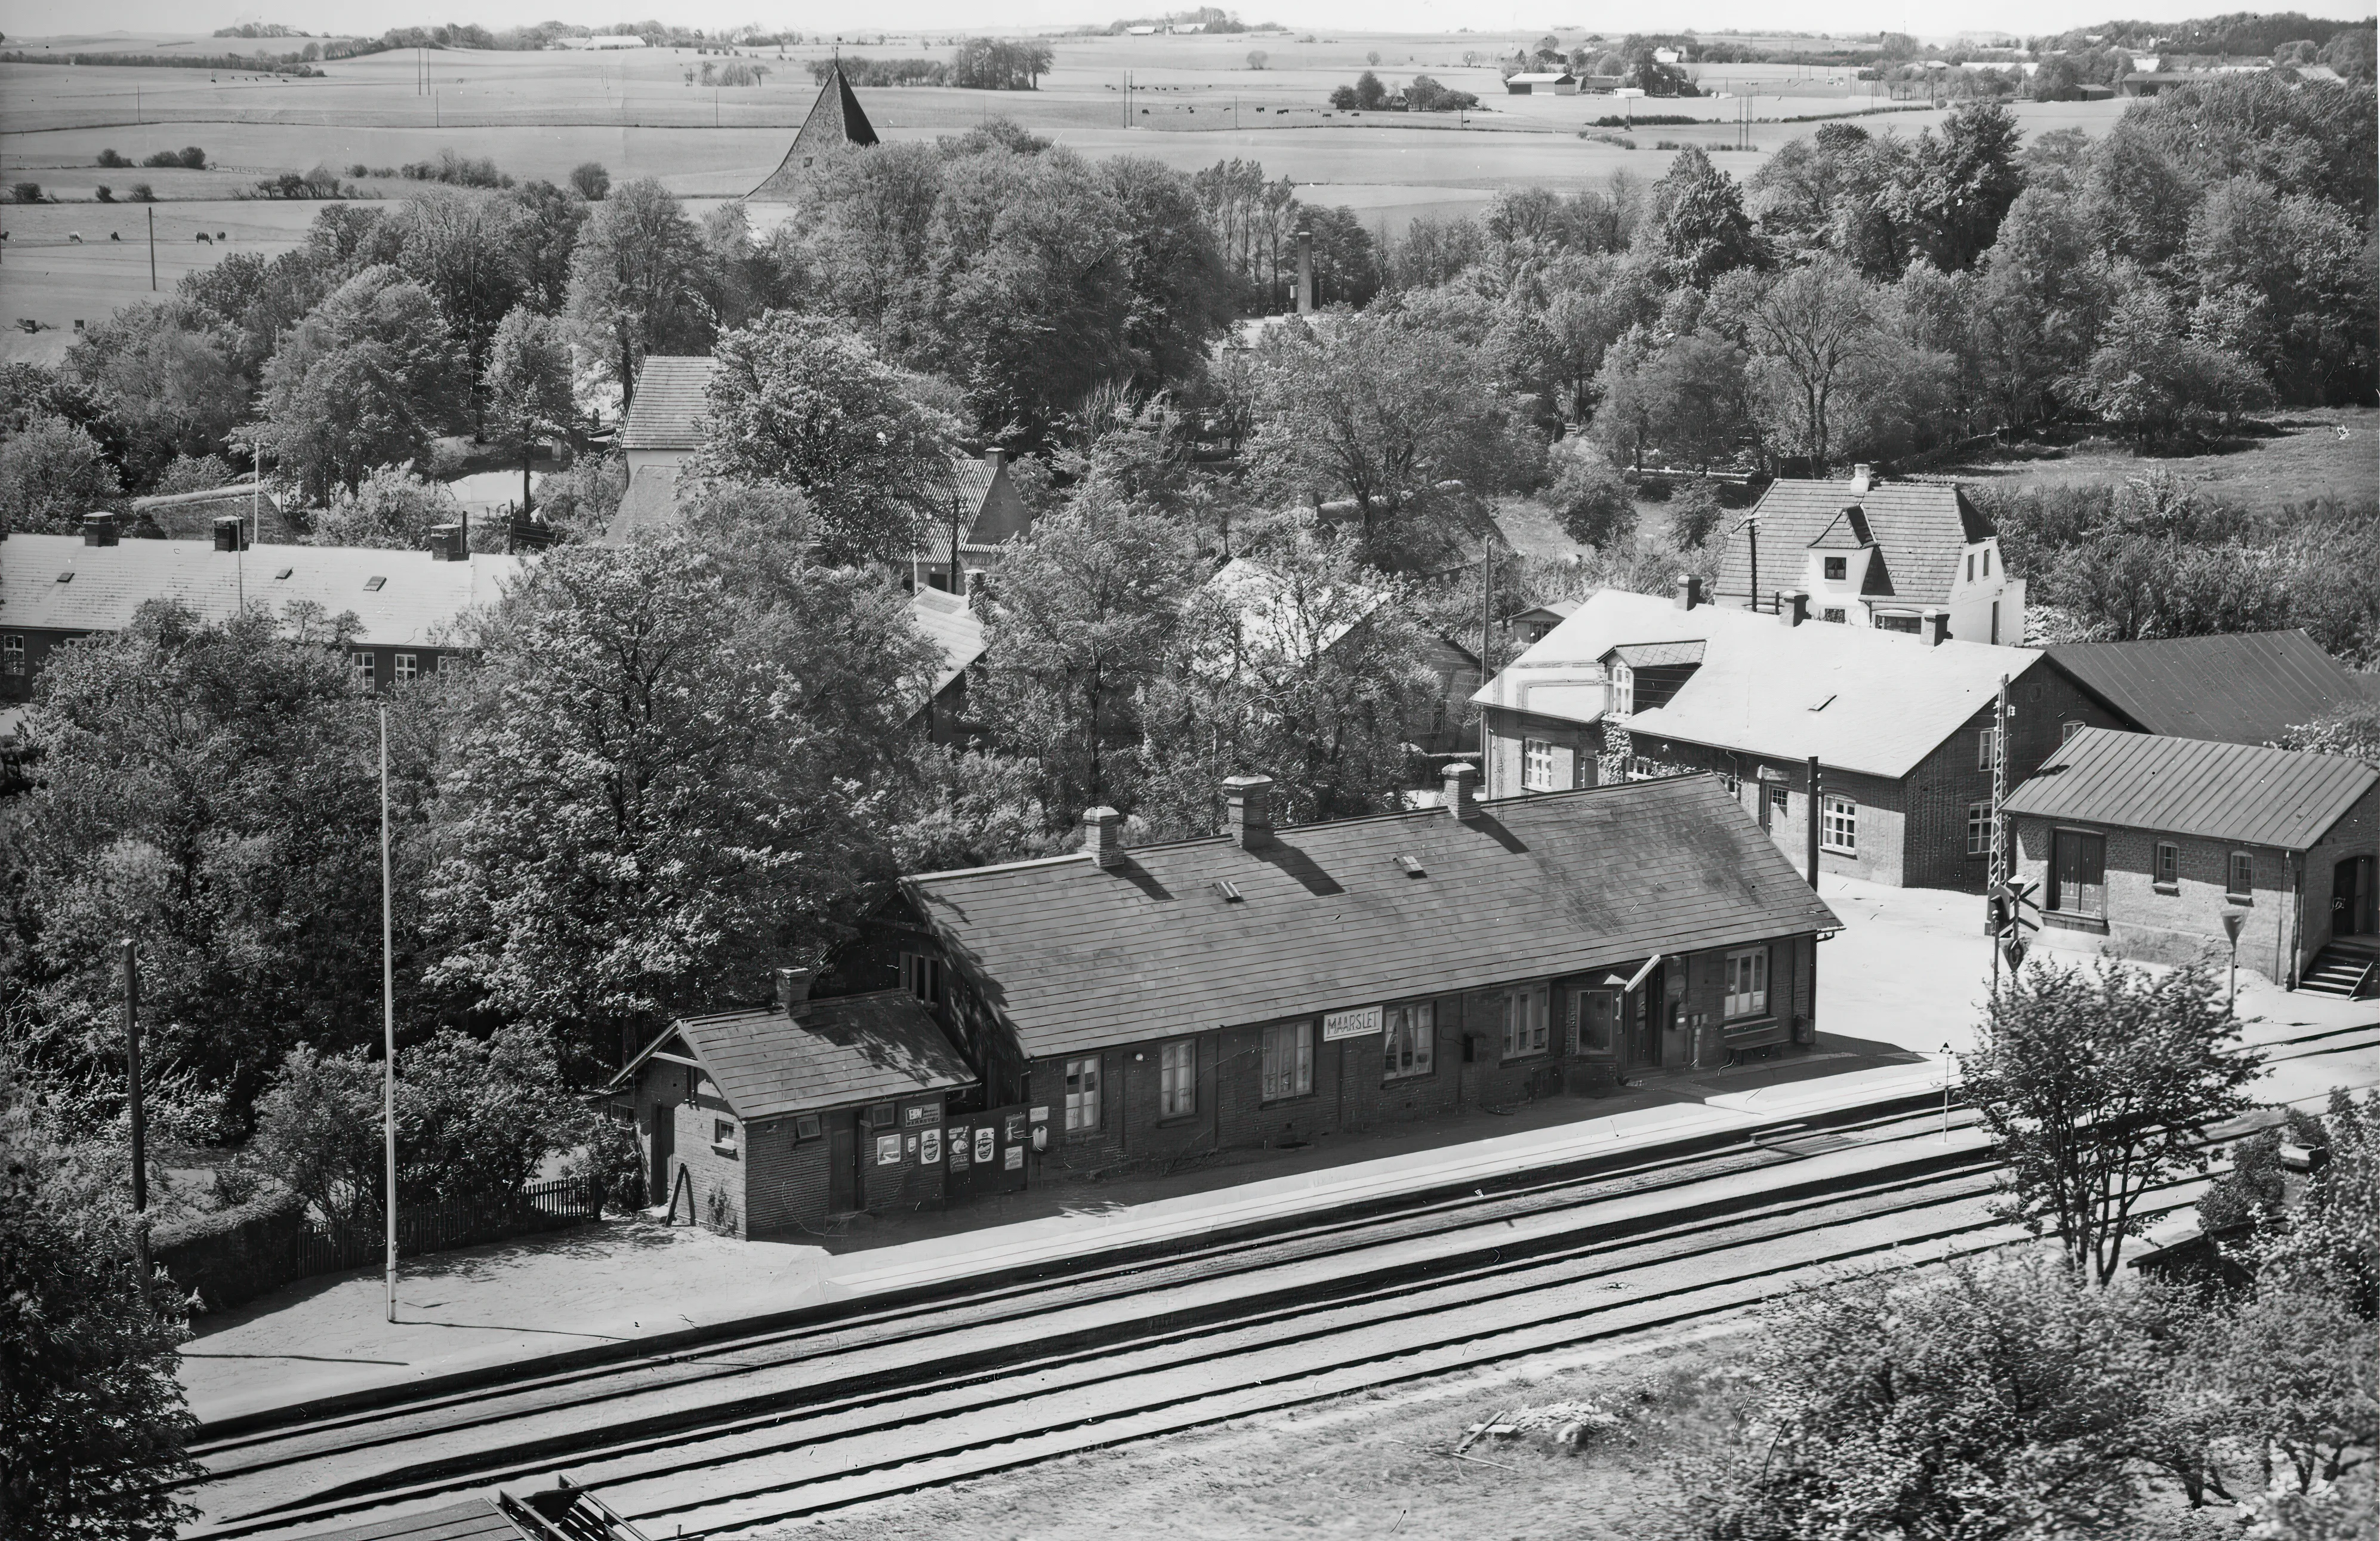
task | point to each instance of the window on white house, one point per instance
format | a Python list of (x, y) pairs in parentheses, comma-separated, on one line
[(1082, 1093), (1988, 562), (2168, 863), (1177, 1078), (1288, 1059), (1897, 623), (1979, 828), (1838, 826), (1525, 1022), (12, 655), (1838, 568), (1409, 1033), (1834, 614), (408, 666), (2243, 875), (363, 666), (1623, 689), (1748, 982), (921, 976), (1537, 765), (1971, 566), (1641, 768)]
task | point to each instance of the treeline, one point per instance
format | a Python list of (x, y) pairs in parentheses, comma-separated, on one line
[(2253, 34), (292, 64), (1207, 17), (979, 64)]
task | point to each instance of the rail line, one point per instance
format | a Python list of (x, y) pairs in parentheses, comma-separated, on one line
[(748, 1430)]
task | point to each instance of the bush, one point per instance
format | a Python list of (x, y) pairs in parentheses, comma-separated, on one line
[(359, 169), (1643, 120), (111, 159), (1695, 513), (141, 193), (459, 171), (232, 1254), (1592, 501), (591, 180), (105, 193), (613, 1157), (190, 158), (25, 192)]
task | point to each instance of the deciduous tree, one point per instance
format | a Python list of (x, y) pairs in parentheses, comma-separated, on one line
[(368, 378), (638, 278), (528, 387)]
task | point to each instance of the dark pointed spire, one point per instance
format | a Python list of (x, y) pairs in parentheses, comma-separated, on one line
[(835, 119)]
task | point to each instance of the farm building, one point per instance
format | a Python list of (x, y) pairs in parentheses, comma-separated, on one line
[(1888, 554), (836, 120), (2248, 687), (988, 511), (1276, 984), (1542, 83), (1634, 686), (774, 1118), (2146, 844), (55, 589)]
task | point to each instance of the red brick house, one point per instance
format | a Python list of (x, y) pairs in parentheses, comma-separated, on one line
[(776, 1117), (1631, 685), (2145, 843), (1277, 985)]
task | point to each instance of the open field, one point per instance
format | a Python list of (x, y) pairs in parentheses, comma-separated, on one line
[(2314, 452)]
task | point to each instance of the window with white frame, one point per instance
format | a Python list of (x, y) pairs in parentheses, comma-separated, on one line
[(1838, 826), (1177, 1078), (1525, 1022), (1986, 741), (1834, 614), (1838, 568), (2069, 729), (1288, 1059), (1082, 1093), (1409, 1032), (1537, 765), (2168, 863), (722, 1136), (408, 667), (1623, 689), (363, 666), (2243, 875), (1988, 562), (1748, 982), (1778, 798), (1642, 769), (1979, 828), (1971, 566), (12, 655)]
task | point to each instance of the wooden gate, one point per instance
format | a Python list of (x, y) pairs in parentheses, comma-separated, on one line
[(985, 1152)]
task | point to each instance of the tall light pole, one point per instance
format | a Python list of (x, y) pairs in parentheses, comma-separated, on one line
[(388, 1014), (139, 1111)]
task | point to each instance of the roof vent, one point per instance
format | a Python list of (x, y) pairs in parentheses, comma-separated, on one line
[(67, 577), (285, 573), (374, 585), (1226, 889), (1411, 866), (1822, 702)]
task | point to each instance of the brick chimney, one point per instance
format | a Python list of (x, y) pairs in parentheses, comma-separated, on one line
[(99, 529), (1689, 591), (1936, 627), (1248, 801), (231, 533), (1461, 799), (792, 990), (1103, 836), (1793, 608), (447, 544), (1861, 481), (994, 459)]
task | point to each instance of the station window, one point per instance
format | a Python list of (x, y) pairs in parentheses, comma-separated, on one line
[(1748, 982), (1838, 826), (2168, 863), (1537, 765), (1778, 796), (722, 1136), (1984, 745), (1409, 1032), (1288, 1059), (1177, 1078), (1838, 568), (1979, 828), (363, 667), (921, 976), (408, 668), (1833, 614), (1082, 1093), (1623, 689), (2243, 875), (2069, 729), (12, 655), (1525, 1022)]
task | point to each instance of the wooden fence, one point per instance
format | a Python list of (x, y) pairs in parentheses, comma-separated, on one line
[(440, 1228)]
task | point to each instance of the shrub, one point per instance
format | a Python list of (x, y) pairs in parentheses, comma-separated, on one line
[(460, 171), (359, 169), (591, 180), (1592, 501), (111, 159), (26, 192), (141, 193), (1695, 512), (105, 193), (190, 158)]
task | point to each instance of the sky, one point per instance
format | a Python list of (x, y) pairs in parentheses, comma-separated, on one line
[(1929, 18)]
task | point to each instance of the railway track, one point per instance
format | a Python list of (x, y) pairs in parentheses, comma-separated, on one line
[(749, 1430)]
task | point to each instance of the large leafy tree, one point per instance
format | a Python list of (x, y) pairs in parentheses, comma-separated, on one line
[(799, 401), (639, 277), (166, 381), (368, 378), (51, 474), (528, 386), (1701, 230), (1808, 330), (1960, 183), (2097, 1085), (466, 249), (663, 777), (1684, 395)]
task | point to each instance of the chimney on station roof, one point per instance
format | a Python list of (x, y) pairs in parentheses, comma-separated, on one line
[(792, 990), (1937, 628), (1103, 836), (231, 533), (1861, 481), (99, 529), (1689, 591), (1793, 608), (1248, 801), (1461, 795)]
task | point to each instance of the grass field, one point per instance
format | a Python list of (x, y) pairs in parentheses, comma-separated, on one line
[(1196, 101), (2311, 453)]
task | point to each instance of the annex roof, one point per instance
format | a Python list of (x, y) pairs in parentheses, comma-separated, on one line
[(57, 583), (1659, 655), (192, 516), (1271, 615), (2243, 793), (1858, 699), (835, 119), (2248, 688), (650, 505), (841, 1051), (950, 626), (672, 401), (1074, 957), (1922, 526)]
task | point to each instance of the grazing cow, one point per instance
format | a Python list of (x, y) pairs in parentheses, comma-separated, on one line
[(221, 237), (75, 236), (114, 236), (202, 237)]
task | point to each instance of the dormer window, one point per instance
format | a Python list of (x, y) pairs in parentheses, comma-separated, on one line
[(1838, 568), (1623, 689)]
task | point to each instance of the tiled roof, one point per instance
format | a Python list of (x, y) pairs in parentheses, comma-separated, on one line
[(1858, 699), (672, 400), (840, 1052), (192, 516), (952, 627), (416, 603), (650, 505), (835, 119), (1074, 957), (1657, 655), (1922, 527), (1269, 615), (2243, 793), (2250, 688)]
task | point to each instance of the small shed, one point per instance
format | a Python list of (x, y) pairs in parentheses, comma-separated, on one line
[(776, 1117)]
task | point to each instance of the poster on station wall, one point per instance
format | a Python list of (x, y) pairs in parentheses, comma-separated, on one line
[(929, 1151), (1363, 1022), (985, 1138), (888, 1150)]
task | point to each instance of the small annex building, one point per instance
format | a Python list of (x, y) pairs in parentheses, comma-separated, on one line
[(192, 515), (2144, 844), (776, 1117), (1905, 556), (1632, 685), (408, 606), (669, 412), (2246, 687), (1272, 985), (1541, 83), (955, 627), (988, 510)]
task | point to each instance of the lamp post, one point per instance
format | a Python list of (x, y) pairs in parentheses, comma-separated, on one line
[(388, 1015), (1946, 1094), (2231, 923)]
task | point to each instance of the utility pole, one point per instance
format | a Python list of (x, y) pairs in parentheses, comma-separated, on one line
[(2000, 914), (1487, 642), (1752, 530), (139, 1113), (954, 541), (1814, 822), (152, 251), (388, 1014)]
